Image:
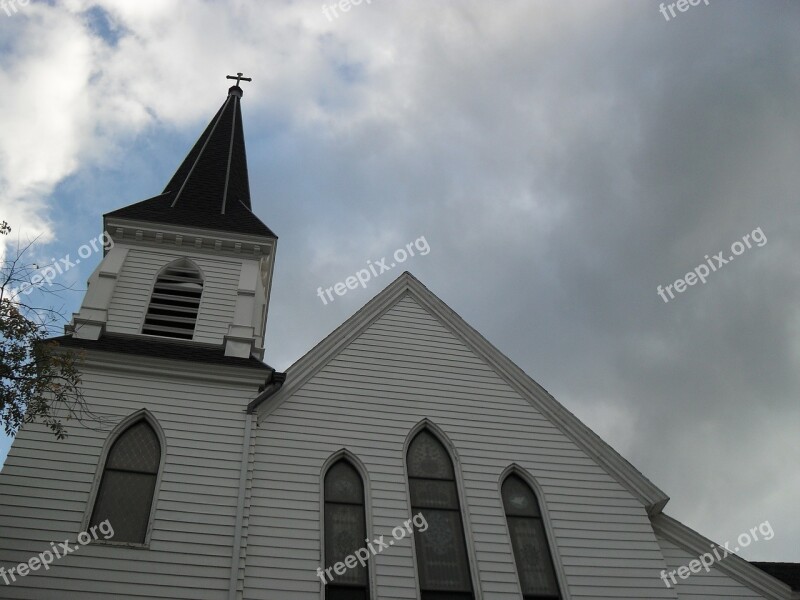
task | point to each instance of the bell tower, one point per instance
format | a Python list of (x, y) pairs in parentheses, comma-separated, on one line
[(193, 264)]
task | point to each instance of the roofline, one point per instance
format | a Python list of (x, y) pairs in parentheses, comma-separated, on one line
[(615, 465), (734, 566), (247, 243), (185, 228), (273, 384), (168, 367)]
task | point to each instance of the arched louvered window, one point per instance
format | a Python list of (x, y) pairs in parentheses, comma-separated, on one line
[(175, 302), (345, 531), (441, 550), (537, 576), (129, 479)]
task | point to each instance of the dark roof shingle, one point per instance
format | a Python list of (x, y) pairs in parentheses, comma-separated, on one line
[(211, 188), (788, 573)]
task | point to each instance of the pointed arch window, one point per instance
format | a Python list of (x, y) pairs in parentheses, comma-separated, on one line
[(175, 302), (345, 530), (125, 496), (442, 560), (537, 575)]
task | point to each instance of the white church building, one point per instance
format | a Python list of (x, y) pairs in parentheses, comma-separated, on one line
[(402, 458)]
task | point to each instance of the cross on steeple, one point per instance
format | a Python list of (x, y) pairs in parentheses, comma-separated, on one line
[(238, 78)]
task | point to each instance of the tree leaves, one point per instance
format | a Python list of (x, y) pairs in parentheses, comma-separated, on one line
[(39, 381)]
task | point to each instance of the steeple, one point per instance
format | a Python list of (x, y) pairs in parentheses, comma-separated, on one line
[(211, 187), (192, 266)]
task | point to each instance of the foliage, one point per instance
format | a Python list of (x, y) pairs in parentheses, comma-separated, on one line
[(39, 381)]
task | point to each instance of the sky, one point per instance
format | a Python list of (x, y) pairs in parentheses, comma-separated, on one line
[(561, 158)]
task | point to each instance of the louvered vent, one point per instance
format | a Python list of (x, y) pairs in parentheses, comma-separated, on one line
[(175, 302)]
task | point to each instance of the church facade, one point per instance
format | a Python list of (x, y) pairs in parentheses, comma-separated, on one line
[(403, 457)]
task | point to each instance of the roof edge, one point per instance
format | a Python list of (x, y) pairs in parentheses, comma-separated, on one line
[(734, 566), (246, 374), (770, 567), (187, 229), (652, 497)]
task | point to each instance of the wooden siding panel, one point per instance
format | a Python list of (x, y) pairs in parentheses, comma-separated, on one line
[(702, 585), (45, 486), (135, 283), (405, 367)]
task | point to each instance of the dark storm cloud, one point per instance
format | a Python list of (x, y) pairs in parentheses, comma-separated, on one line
[(560, 178), (562, 159)]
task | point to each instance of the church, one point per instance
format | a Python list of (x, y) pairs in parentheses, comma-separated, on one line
[(401, 458)]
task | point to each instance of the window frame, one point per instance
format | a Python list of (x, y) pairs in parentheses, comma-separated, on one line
[(358, 465), (558, 567), (116, 432), (146, 309), (455, 461)]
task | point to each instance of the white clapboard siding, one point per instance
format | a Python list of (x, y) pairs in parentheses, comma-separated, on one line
[(45, 486), (405, 367), (134, 285), (702, 585)]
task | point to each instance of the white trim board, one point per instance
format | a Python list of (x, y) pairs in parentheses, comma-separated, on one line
[(406, 284), (735, 567)]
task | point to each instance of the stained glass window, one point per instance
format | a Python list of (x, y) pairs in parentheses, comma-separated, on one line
[(442, 561), (125, 496), (345, 531), (529, 541)]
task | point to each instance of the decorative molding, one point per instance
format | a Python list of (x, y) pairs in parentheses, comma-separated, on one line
[(171, 368), (206, 240), (240, 507)]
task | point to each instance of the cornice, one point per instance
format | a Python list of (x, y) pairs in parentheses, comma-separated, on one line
[(176, 238), (190, 371)]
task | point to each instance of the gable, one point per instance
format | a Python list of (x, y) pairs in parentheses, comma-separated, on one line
[(426, 345), (367, 389)]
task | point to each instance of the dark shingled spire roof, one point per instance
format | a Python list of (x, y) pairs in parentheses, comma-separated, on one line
[(789, 573), (210, 189)]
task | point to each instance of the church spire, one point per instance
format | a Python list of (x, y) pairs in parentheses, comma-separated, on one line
[(211, 188)]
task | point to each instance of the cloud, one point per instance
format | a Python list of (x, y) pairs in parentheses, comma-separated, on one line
[(563, 159)]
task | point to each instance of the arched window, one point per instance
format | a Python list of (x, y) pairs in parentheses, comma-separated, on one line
[(441, 549), (537, 576), (125, 496), (345, 531), (175, 302)]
